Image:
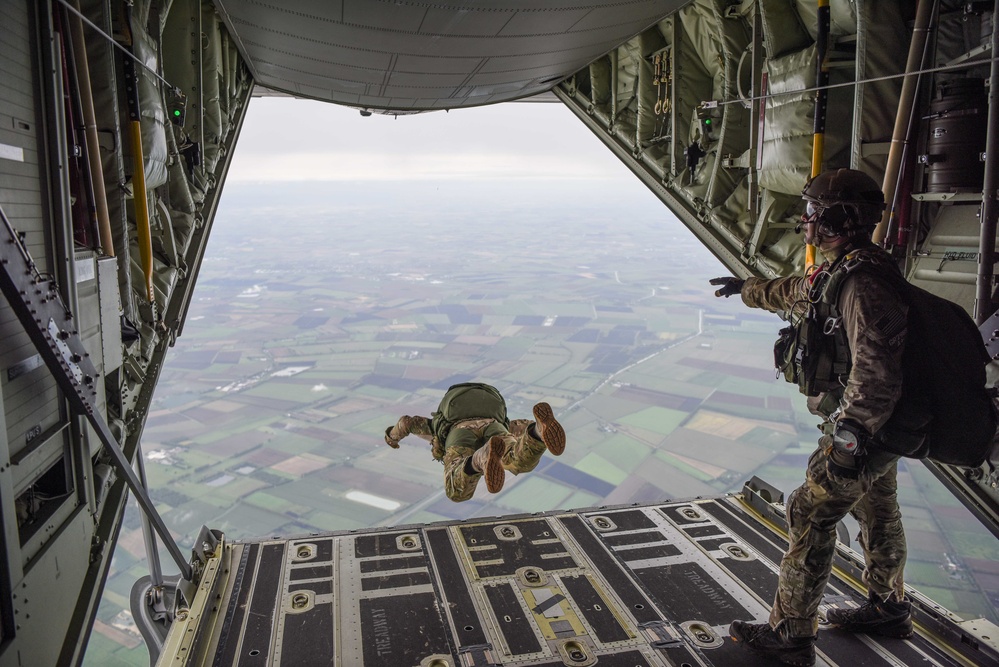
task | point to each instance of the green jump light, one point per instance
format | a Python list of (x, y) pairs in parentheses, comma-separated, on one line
[(177, 103)]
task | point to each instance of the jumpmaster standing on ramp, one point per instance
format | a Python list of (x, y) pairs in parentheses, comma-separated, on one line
[(844, 350), (471, 434)]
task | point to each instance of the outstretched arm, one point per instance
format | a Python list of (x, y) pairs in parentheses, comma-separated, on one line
[(777, 294), (415, 425), (780, 294)]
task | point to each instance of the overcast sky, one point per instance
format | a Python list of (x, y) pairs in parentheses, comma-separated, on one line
[(293, 140)]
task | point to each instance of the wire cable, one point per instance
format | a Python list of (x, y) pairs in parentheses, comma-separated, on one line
[(710, 104)]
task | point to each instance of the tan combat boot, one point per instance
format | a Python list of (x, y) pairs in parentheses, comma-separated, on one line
[(488, 460), (552, 433)]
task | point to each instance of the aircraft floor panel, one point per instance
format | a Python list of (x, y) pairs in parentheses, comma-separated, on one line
[(652, 585)]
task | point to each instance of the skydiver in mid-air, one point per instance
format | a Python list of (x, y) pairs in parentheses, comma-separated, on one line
[(471, 434)]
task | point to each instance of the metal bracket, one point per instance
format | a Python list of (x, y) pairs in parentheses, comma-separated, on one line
[(759, 495), (661, 635), (477, 655)]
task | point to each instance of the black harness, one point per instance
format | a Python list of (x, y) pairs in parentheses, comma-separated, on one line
[(813, 351)]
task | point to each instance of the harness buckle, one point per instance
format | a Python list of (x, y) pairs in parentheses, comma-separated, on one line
[(831, 324)]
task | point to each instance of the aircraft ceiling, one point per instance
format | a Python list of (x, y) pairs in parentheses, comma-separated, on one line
[(405, 56)]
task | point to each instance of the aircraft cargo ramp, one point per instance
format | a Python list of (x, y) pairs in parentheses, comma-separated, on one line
[(631, 586)]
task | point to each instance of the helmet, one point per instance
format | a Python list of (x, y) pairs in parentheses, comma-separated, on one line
[(843, 201)]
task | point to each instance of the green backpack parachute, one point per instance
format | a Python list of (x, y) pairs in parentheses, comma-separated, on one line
[(945, 413), (468, 400)]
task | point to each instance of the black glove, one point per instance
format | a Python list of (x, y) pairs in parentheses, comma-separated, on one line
[(729, 285)]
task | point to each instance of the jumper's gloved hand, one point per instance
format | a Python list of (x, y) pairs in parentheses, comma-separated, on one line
[(839, 464), (849, 437), (845, 447), (394, 444), (729, 285)]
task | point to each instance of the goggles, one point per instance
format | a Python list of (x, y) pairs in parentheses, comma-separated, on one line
[(813, 212), (832, 220)]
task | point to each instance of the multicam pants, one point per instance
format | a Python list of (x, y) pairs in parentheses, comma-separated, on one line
[(522, 453), (813, 510)]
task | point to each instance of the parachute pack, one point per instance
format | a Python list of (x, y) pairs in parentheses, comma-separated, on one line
[(945, 412), (468, 400), (943, 386)]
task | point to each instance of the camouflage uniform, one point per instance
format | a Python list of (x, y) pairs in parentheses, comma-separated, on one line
[(523, 451), (874, 318)]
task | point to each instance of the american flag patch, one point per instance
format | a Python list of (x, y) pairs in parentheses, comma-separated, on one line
[(890, 323)]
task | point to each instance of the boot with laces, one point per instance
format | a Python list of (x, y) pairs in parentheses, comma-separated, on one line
[(775, 642), (888, 618), (488, 460), (551, 432)]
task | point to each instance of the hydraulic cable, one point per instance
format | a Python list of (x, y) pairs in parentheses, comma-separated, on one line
[(821, 104)]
